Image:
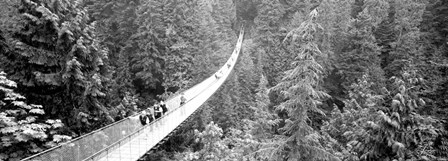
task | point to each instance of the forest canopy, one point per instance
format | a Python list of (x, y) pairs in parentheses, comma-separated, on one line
[(315, 80)]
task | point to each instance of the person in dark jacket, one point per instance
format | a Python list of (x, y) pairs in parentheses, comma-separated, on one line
[(163, 105), (143, 118), (157, 111), (218, 75)]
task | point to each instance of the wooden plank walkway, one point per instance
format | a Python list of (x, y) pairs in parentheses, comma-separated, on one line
[(137, 145)]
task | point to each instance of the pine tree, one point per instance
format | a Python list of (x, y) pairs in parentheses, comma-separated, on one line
[(223, 14), (356, 112), (299, 87), (264, 117), (263, 125), (57, 62), (216, 37), (164, 45), (115, 25), (361, 56), (269, 34), (406, 46), (335, 19), (246, 78), (385, 35), (396, 130), (203, 63)]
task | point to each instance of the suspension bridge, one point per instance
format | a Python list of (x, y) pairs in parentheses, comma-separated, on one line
[(128, 139)]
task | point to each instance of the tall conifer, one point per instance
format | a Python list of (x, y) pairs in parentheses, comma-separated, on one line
[(361, 55), (300, 88), (57, 61)]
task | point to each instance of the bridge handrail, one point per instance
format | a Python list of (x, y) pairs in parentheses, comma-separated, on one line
[(134, 133), (172, 98)]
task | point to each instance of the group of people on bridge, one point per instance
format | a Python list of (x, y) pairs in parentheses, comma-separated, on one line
[(156, 111), (152, 113)]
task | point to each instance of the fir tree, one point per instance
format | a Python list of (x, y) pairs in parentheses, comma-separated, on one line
[(164, 45), (299, 87), (396, 130), (217, 37), (406, 46), (335, 19), (269, 34), (56, 61), (361, 56), (115, 25)]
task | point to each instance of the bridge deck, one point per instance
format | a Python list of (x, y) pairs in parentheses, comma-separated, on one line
[(130, 151), (147, 137)]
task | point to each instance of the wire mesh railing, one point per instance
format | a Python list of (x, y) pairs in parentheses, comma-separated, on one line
[(142, 140), (127, 138)]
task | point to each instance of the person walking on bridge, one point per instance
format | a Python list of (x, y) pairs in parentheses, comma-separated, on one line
[(218, 74), (157, 111), (163, 106), (150, 114), (183, 100), (143, 118)]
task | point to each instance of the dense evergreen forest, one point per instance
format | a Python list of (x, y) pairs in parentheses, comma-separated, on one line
[(316, 79)]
